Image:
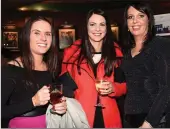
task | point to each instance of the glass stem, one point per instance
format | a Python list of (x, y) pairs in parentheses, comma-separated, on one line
[(99, 98)]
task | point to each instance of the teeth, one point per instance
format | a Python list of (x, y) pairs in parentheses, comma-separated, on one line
[(41, 44), (136, 27), (96, 34)]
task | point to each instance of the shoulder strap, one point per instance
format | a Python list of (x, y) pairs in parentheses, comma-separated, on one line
[(17, 62)]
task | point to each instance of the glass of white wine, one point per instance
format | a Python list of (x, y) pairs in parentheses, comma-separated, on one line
[(99, 86)]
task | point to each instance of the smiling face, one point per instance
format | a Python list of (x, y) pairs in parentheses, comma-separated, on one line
[(96, 28), (40, 37), (137, 22)]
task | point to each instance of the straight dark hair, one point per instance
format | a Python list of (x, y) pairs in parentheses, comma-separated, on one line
[(108, 49), (50, 58), (128, 39)]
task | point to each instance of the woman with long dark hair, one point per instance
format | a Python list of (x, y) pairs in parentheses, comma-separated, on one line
[(96, 55), (146, 67), (25, 92)]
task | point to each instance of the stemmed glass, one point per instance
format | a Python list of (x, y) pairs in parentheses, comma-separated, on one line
[(56, 93), (99, 82)]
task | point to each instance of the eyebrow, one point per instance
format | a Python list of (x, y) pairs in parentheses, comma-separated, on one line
[(36, 30), (95, 22), (40, 31), (137, 14)]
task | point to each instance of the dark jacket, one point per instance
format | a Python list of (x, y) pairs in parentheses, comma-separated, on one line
[(148, 81)]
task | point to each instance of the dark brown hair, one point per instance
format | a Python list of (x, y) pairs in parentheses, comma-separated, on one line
[(108, 49), (50, 58), (128, 40)]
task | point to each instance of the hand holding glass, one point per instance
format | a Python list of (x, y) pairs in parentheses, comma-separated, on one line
[(56, 93)]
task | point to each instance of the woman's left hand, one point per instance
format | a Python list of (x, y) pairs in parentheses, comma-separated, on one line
[(146, 125), (107, 88), (61, 108)]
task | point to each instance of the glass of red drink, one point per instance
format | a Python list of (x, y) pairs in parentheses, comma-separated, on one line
[(56, 93)]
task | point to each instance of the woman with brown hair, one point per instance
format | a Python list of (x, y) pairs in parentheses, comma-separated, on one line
[(25, 92), (96, 55), (146, 67)]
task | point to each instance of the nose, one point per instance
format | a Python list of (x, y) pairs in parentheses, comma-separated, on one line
[(97, 28), (43, 37), (134, 19)]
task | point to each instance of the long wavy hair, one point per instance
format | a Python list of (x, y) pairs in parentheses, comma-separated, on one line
[(108, 49), (50, 57), (128, 39)]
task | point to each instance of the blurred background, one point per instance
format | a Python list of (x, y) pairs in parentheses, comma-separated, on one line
[(65, 14)]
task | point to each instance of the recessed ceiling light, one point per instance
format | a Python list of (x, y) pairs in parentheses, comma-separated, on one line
[(23, 9), (39, 8)]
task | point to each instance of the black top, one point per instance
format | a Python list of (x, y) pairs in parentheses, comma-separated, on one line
[(18, 90), (98, 119), (147, 76), (118, 77)]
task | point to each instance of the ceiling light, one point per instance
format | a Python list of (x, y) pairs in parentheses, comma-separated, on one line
[(39, 8), (23, 9)]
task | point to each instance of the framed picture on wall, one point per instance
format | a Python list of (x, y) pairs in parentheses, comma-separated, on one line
[(162, 24), (115, 30), (10, 39), (66, 37)]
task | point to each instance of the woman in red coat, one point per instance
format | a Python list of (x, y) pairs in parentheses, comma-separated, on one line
[(94, 56)]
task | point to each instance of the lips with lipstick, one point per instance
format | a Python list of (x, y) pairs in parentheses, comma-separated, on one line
[(136, 28)]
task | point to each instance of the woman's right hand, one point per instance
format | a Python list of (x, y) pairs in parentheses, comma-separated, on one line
[(41, 97)]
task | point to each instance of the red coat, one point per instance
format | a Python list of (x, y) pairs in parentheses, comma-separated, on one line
[(86, 93)]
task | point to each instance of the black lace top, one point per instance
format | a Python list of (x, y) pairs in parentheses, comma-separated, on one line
[(17, 90), (147, 76)]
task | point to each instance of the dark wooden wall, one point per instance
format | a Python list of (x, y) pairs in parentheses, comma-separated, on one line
[(75, 18)]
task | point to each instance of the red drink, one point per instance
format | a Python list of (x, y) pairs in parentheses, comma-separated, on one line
[(55, 97)]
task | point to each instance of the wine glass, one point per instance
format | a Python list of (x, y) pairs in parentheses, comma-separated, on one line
[(99, 82), (56, 93)]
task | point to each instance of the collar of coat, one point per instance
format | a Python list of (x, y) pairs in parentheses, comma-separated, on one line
[(71, 53)]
